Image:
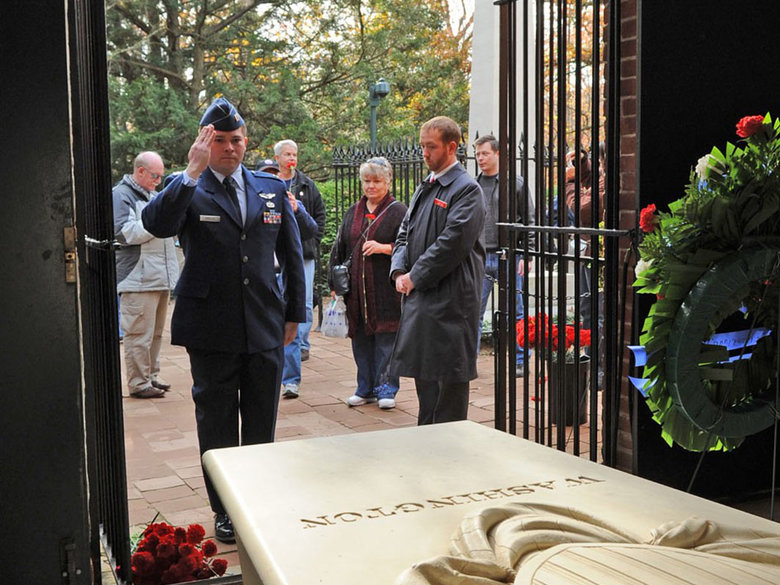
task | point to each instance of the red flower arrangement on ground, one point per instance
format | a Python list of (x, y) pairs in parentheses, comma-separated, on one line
[(542, 334), (174, 555)]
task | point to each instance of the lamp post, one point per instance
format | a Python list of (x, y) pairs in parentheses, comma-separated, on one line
[(376, 91)]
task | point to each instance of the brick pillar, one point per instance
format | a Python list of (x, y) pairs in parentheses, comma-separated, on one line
[(628, 197)]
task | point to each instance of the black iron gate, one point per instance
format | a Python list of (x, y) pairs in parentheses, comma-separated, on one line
[(97, 286), (559, 86)]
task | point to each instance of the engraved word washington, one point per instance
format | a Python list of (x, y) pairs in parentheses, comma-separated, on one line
[(446, 501)]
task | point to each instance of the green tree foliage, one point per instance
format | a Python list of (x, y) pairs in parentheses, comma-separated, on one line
[(296, 70)]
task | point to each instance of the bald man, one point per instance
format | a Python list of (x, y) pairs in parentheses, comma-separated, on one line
[(146, 272)]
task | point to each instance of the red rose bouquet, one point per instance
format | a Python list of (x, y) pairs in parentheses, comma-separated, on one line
[(542, 333), (174, 555)]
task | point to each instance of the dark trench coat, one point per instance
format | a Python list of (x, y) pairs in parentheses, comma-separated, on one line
[(438, 244)]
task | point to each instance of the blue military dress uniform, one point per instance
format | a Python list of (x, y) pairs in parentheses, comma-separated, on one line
[(230, 311)]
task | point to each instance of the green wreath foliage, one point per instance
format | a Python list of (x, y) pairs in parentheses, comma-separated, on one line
[(731, 207)]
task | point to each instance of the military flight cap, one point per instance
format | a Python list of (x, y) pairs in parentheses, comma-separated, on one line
[(268, 166), (222, 115)]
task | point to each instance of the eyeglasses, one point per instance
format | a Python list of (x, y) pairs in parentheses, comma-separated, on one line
[(155, 176), (377, 161)]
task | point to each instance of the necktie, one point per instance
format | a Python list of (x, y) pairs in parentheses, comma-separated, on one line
[(231, 191)]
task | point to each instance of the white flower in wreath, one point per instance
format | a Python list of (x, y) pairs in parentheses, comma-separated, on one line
[(641, 266), (703, 166)]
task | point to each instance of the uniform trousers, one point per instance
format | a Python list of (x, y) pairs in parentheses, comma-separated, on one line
[(142, 321), (441, 401), (226, 385)]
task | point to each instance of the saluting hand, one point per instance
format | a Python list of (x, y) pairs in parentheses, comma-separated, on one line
[(200, 151)]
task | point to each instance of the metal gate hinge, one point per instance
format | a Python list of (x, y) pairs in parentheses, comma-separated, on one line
[(69, 238)]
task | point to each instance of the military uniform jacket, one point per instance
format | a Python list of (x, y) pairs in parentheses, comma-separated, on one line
[(228, 297), (438, 244)]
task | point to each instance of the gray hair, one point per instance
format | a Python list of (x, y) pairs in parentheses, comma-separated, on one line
[(378, 166), (281, 144)]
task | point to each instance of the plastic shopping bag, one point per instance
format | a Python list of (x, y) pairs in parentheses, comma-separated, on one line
[(335, 322)]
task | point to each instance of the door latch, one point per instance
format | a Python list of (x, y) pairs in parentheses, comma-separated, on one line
[(69, 237)]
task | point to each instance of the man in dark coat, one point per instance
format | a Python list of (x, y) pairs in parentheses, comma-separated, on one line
[(238, 231), (438, 263)]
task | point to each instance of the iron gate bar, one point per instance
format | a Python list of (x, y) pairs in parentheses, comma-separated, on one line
[(97, 292), (612, 205), (558, 27), (504, 112)]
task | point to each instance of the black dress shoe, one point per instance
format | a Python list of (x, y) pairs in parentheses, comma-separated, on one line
[(223, 529)]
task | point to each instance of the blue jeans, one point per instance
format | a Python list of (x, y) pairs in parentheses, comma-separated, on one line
[(491, 275), (119, 315), (372, 354), (292, 352)]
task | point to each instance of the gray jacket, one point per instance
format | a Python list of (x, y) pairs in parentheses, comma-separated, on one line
[(143, 262)]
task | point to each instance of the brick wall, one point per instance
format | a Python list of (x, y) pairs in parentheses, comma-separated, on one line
[(628, 197)]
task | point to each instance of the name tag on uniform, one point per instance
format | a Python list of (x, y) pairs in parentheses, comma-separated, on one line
[(440, 203), (211, 218), (272, 217)]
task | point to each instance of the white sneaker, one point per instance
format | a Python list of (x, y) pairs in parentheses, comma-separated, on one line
[(386, 403), (290, 391), (356, 400)]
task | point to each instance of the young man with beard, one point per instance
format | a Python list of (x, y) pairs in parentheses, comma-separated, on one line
[(438, 264)]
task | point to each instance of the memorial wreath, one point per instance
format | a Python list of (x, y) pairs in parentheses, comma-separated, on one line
[(712, 261)]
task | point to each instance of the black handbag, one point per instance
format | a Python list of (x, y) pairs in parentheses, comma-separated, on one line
[(339, 276)]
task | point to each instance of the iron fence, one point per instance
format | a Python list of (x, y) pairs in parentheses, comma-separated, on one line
[(559, 86), (405, 157)]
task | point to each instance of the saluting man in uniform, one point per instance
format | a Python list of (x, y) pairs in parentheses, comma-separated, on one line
[(238, 231)]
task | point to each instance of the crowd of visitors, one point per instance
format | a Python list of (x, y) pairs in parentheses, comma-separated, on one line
[(244, 298)]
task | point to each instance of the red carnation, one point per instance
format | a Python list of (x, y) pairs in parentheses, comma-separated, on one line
[(180, 535), (219, 566), (749, 125), (187, 549), (195, 533), (167, 550), (209, 548), (143, 564), (647, 218), (569, 336)]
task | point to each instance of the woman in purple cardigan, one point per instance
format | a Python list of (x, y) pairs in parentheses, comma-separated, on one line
[(365, 241)]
